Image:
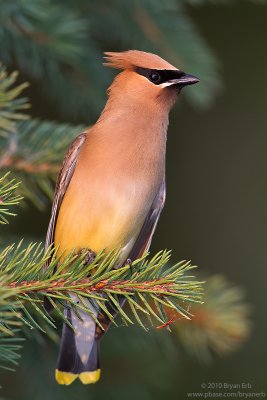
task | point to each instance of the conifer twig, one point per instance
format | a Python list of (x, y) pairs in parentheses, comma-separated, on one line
[(24, 283), (11, 107), (23, 274), (8, 197)]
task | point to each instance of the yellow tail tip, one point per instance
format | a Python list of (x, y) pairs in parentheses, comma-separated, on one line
[(89, 377), (66, 378)]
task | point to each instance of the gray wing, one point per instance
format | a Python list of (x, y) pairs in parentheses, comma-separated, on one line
[(144, 238), (62, 184), (141, 245)]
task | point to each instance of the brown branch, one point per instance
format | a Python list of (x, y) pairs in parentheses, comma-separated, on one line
[(10, 150), (27, 166), (9, 160), (38, 37), (83, 285)]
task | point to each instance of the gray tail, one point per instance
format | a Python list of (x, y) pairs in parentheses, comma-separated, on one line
[(79, 349)]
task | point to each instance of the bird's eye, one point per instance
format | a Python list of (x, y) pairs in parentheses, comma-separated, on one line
[(154, 77)]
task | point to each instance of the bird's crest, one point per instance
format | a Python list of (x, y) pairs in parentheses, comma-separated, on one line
[(135, 58)]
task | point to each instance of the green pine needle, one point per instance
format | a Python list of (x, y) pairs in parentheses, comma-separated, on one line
[(8, 197), (11, 106), (25, 283), (24, 274)]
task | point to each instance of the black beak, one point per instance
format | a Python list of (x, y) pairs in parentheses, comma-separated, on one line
[(184, 80)]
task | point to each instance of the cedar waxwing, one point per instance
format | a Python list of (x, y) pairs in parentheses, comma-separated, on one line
[(111, 188)]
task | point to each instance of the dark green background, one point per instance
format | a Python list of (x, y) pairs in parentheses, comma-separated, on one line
[(215, 215)]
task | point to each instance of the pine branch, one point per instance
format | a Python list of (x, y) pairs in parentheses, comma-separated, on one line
[(8, 197), (10, 105), (9, 324), (152, 284), (32, 149), (36, 156), (23, 274), (9, 351)]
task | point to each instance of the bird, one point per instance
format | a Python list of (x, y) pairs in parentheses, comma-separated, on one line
[(111, 188)]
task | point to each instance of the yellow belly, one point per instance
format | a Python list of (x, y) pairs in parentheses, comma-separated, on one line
[(104, 219)]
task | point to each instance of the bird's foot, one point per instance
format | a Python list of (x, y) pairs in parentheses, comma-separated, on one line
[(89, 257)]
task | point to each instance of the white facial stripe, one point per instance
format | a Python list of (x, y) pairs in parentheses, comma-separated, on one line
[(165, 84)]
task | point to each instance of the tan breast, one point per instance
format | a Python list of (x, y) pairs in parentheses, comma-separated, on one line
[(103, 208), (117, 176)]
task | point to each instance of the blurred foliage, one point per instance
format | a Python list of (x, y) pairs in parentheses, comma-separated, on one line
[(31, 148), (62, 56), (221, 325)]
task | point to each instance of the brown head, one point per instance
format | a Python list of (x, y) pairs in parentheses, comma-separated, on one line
[(146, 79)]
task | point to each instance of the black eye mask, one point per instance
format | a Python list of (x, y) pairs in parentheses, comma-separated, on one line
[(158, 76)]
